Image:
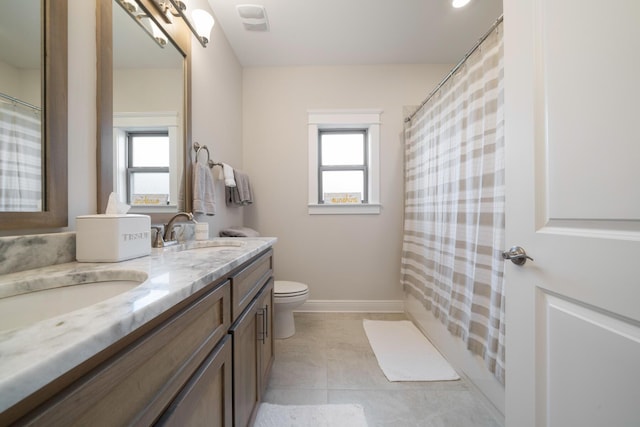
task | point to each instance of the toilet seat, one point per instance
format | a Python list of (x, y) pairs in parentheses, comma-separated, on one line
[(285, 289)]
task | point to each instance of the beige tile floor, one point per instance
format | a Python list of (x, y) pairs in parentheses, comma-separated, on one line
[(329, 360)]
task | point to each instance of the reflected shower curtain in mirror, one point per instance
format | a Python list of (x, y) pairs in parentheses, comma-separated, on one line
[(454, 204), (20, 158)]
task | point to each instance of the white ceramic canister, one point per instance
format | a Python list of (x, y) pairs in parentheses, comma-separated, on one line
[(202, 231)]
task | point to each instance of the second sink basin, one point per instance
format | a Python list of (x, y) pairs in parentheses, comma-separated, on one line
[(219, 243), (203, 244), (30, 301)]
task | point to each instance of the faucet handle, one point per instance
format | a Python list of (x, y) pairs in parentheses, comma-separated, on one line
[(158, 242), (173, 230)]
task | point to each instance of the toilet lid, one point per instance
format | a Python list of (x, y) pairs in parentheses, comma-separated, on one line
[(286, 288)]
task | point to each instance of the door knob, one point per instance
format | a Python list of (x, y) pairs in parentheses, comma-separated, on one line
[(517, 255)]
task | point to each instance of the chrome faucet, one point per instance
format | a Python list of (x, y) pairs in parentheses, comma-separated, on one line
[(169, 234)]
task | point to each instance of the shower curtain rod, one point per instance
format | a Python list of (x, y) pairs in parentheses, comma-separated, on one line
[(18, 101), (458, 65)]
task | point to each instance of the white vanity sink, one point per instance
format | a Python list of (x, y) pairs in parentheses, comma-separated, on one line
[(32, 300), (206, 244), (218, 243)]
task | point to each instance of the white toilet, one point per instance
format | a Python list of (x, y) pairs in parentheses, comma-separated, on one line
[(287, 296)]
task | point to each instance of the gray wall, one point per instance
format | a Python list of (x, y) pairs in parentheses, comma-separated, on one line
[(340, 257)]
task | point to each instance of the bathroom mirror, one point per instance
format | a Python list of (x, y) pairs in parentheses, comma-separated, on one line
[(33, 112), (143, 98)]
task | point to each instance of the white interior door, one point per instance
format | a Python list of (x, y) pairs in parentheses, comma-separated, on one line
[(572, 114)]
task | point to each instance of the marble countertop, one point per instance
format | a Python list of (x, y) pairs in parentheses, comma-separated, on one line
[(33, 356)]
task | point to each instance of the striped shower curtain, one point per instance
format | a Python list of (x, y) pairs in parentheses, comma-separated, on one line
[(454, 204), (20, 159)]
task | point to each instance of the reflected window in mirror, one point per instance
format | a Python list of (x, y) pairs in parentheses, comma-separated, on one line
[(21, 144), (148, 97), (148, 169), (132, 128)]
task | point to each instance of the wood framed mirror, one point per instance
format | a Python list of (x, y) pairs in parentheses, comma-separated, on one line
[(52, 210), (179, 37)]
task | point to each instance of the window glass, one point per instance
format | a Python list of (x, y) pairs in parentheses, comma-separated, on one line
[(148, 171), (149, 183), (343, 182), (342, 165), (344, 148), (149, 150)]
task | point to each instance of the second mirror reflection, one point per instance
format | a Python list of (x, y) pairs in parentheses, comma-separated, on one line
[(148, 115)]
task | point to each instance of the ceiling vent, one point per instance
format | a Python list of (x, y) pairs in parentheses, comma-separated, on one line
[(253, 17)]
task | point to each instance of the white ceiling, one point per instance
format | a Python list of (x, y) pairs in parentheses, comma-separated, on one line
[(307, 32), (350, 32)]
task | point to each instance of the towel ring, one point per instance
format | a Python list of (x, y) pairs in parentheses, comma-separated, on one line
[(197, 147)]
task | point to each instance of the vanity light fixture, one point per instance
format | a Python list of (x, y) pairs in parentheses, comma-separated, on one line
[(147, 24), (204, 24), (158, 35), (200, 22), (129, 6), (459, 3)]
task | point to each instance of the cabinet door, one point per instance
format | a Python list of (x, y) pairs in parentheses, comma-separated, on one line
[(265, 304), (245, 365), (206, 399)]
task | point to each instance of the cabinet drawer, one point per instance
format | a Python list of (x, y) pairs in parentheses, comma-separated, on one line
[(206, 400), (246, 284), (139, 382)]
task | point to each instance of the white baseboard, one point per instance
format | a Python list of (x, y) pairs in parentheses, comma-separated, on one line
[(359, 306)]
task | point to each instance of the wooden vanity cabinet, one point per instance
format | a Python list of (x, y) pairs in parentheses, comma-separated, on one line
[(228, 388), (204, 362)]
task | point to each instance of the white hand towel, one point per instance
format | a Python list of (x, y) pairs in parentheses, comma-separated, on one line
[(203, 190), (227, 174)]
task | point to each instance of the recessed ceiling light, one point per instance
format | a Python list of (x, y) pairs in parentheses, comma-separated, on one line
[(459, 3)]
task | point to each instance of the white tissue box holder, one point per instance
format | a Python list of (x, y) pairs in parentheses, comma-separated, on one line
[(112, 238)]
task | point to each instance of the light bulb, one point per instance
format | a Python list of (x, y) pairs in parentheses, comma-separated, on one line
[(459, 3), (203, 22), (158, 34)]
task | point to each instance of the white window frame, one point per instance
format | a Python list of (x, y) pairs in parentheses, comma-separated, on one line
[(131, 170), (345, 119), (163, 120)]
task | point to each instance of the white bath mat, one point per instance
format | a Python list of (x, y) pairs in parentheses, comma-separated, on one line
[(405, 354), (270, 415)]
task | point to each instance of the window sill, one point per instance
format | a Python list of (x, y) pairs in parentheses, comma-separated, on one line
[(346, 209), (141, 209)]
